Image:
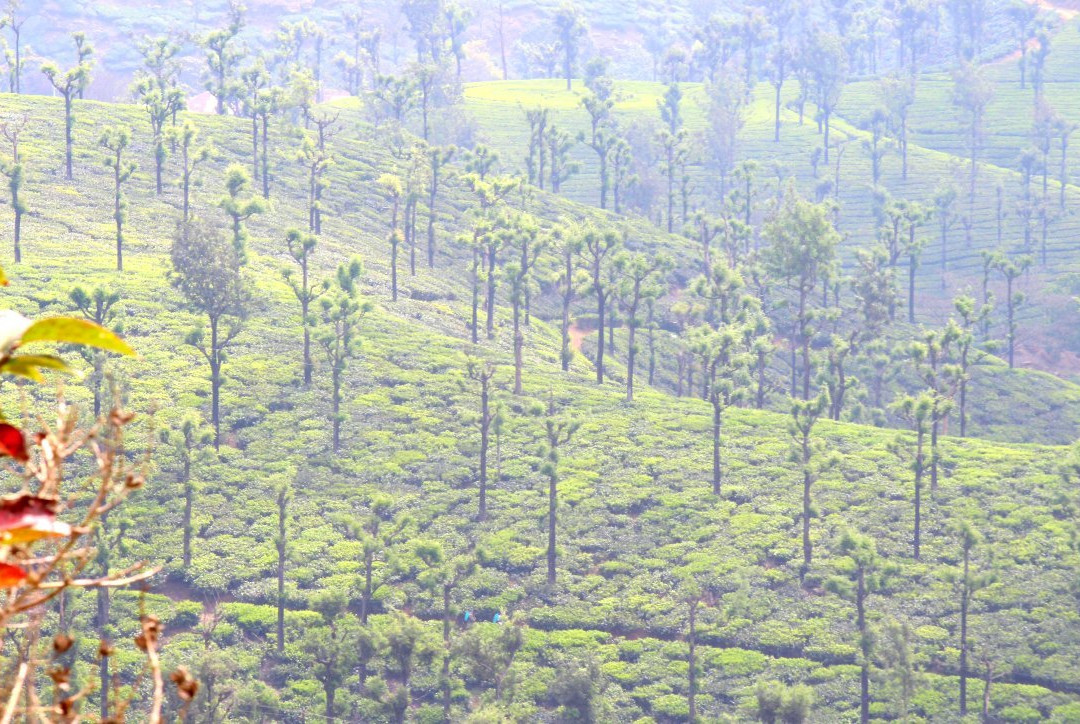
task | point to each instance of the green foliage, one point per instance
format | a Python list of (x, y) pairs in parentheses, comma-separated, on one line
[(779, 703), (632, 505)]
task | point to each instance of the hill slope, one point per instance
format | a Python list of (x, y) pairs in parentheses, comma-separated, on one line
[(636, 516)]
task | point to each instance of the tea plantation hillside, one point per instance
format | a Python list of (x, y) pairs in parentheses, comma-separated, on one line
[(1006, 404), (1002, 216), (499, 110), (641, 538)]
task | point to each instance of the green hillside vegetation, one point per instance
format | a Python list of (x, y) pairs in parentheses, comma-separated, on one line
[(937, 163), (638, 526), (499, 111), (586, 398)]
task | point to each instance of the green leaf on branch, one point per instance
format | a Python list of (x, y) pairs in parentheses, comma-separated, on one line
[(75, 331), (30, 366)]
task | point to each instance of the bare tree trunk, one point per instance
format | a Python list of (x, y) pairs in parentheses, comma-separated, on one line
[(552, 499), (335, 407), (502, 43), (717, 420), (964, 599), (808, 550), (691, 696), (265, 156), (864, 674), (281, 543), (519, 343), (631, 354), (215, 382), (600, 300), (491, 293), (67, 134), (918, 489), (485, 426), (986, 691)]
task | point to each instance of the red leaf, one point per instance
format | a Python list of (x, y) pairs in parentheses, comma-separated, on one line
[(11, 575), (13, 443), (25, 518)]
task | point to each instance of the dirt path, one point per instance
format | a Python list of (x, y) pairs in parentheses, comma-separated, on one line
[(577, 336)]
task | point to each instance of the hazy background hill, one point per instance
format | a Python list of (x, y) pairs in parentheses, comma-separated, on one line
[(634, 34)]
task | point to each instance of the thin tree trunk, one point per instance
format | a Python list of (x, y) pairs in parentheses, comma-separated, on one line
[(804, 338), (918, 489), (794, 370), (964, 599), (188, 494), (552, 493), (446, 654), (393, 270), (963, 406), (366, 602), (519, 343), (864, 674), (502, 43), (717, 421), (631, 354), (118, 217), (432, 197), (759, 398), (691, 696), (159, 151), (215, 382), (265, 156), (281, 574), (1012, 331), (254, 149), (491, 293), (567, 300), (1063, 174), (475, 294), (18, 227), (671, 189), (308, 366), (808, 550), (911, 290), (604, 180), (903, 148), (412, 215), (776, 130), (826, 143), (600, 301), (934, 428), (67, 133), (485, 425), (103, 668), (104, 676), (335, 407), (651, 339)]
